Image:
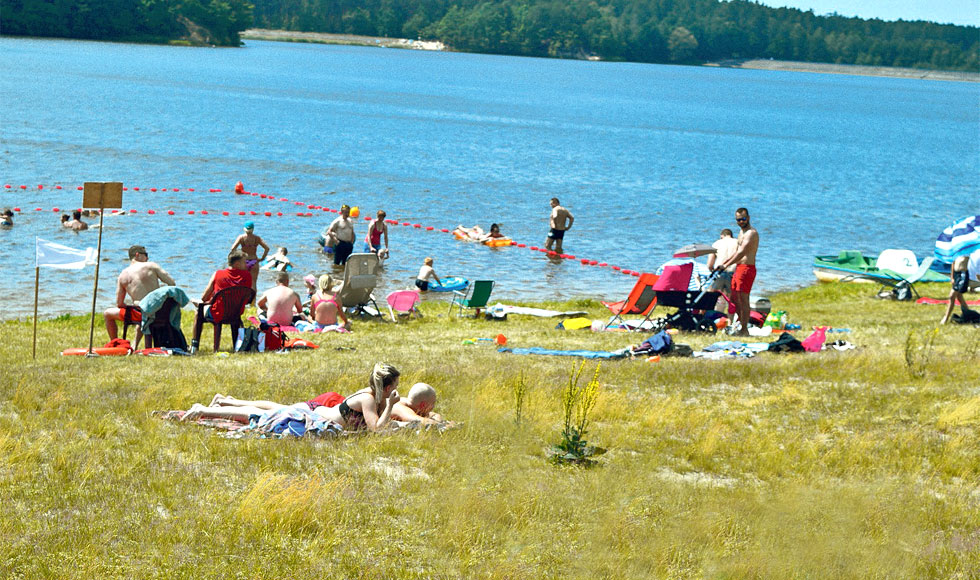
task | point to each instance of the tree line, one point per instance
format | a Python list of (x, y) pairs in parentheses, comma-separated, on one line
[(660, 31), (217, 22)]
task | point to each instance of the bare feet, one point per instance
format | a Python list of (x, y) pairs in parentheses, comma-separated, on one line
[(195, 412), (217, 400)]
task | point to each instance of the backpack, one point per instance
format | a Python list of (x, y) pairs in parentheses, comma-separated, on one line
[(902, 291), (274, 337)]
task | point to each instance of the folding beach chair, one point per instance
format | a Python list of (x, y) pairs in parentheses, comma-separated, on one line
[(403, 302), (641, 301), (360, 280), (481, 290)]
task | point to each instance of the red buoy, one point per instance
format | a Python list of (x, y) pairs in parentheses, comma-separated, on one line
[(268, 214), (38, 209), (190, 212), (57, 187), (239, 188), (170, 212), (175, 189), (279, 213), (153, 189), (55, 210), (521, 245), (190, 189), (6, 186), (429, 228), (151, 212), (224, 213), (17, 209), (132, 211), (603, 264), (616, 268), (241, 213), (164, 189), (80, 188), (204, 212), (40, 187)]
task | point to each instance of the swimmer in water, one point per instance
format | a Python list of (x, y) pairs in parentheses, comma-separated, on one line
[(249, 243)]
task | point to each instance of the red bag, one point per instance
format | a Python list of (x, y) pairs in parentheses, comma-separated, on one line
[(275, 338)]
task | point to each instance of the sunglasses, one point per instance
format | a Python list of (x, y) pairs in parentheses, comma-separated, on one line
[(741, 219)]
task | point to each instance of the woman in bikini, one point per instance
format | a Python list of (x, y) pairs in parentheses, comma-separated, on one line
[(325, 306), (249, 242), (377, 229), (370, 408)]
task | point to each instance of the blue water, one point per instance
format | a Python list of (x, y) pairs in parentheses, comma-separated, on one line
[(647, 157)]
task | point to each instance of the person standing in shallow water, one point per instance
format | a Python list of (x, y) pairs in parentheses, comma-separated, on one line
[(560, 222), (744, 275), (340, 234), (249, 243)]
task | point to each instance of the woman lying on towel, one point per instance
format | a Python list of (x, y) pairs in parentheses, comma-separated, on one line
[(370, 408)]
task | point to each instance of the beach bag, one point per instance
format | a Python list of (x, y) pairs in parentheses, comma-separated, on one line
[(902, 291), (169, 337), (274, 338), (968, 317), (250, 339)]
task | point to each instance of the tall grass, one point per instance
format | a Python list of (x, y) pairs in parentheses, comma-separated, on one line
[(827, 465)]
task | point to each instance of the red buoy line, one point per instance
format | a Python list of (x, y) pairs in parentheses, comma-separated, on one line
[(240, 190)]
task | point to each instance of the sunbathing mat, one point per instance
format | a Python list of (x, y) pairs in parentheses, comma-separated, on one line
[(926, 300), (235, 430)]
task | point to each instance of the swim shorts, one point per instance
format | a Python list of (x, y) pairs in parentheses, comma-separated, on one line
[(422, 285), (961, 281), (134, 314), (556, 234), (743, 278)]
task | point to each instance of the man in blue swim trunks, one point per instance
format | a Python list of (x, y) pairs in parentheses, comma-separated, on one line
[(561, 222)]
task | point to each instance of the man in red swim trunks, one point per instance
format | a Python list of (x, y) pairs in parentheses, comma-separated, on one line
[(744, 276)]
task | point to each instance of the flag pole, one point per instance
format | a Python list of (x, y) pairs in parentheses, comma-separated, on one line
[(37, 279), (95, 289)]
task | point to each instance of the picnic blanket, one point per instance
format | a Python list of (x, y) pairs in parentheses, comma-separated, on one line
[(603, 354), (731, 349), (927, 300)]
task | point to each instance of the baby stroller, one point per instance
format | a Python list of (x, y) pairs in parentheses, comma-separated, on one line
[(674, 290)]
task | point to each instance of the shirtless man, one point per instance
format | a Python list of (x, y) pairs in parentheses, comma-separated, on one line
[(561, 222), (744, 276), (138, 279), (250, 243), (76, 224), (340, 234), (282, 304)]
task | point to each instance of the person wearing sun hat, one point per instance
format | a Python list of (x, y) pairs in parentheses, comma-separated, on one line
[(249, 243)]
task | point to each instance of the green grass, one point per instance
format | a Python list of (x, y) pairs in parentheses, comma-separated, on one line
[(829, 465)]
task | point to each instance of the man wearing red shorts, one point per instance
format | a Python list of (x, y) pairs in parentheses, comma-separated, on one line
[(744, 276)]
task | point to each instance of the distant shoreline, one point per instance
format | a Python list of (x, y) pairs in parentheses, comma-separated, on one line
[(851, 69), (755, 64)]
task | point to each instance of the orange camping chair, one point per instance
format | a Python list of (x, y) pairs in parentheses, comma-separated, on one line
[(640, 302)]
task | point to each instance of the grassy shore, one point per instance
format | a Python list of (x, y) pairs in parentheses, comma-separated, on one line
[(856, 464)]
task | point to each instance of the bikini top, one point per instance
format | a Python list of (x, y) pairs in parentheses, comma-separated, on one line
[(317, 303), (353, 420)]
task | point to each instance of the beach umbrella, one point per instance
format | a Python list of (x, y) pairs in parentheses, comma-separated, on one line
[(694, 251), (959, 239)]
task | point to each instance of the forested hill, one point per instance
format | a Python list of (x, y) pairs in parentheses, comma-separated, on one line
[(636, 30), (217, 22)]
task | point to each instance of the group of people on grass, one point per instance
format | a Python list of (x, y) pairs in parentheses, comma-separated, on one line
[(373, 408)]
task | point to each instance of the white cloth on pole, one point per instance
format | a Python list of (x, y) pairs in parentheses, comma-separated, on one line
[(52, 255)]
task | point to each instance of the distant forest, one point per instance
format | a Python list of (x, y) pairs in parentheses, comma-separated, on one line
[(681, 31), (217, 22), (684, 31)]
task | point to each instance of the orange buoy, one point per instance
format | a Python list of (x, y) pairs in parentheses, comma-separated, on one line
[(355, 211), (500, 339)]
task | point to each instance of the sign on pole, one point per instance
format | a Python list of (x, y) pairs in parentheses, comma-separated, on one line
[(102, 195)]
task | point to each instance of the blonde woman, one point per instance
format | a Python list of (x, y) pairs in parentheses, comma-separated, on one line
[(325, 306), (371, 407)]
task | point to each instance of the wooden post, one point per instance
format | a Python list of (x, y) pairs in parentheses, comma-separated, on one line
[(95, 288), (103, 195), (37, 280)]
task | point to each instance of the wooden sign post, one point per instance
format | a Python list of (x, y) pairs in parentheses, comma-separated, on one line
[(101, 195)]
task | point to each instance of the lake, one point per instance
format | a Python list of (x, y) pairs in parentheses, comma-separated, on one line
[(647, 157)]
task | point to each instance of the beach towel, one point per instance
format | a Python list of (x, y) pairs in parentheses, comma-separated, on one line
[(927, 300), (220, 424), (574, 324), (294, 421), (600, 354), (499, 310)]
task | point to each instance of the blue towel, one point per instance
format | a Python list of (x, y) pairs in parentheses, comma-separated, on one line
[(607, 354), (154, 300)]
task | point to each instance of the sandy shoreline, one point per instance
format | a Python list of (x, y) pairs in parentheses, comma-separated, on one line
[(851, 69), (757, 64), (348, 39)]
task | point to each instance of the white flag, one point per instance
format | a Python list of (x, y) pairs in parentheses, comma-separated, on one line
[(52, 255)]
